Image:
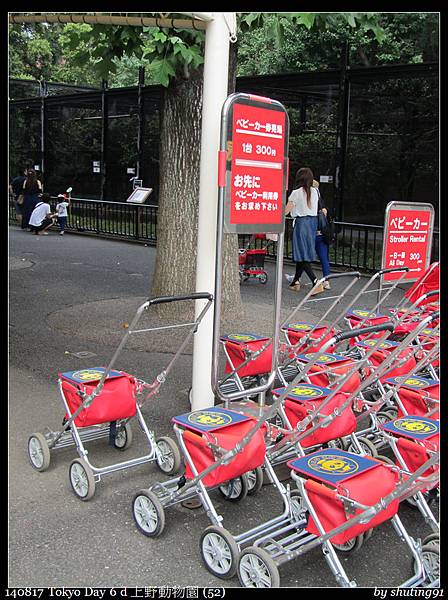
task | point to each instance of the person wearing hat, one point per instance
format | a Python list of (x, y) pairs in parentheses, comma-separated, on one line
[(61, 210)]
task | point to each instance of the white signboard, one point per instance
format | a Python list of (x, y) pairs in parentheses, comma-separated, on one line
[(139, 195), (326, 179)]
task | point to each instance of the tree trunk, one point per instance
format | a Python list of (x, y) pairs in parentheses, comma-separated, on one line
[(175, 265)]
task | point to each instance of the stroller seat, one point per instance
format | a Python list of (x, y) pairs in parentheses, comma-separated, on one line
[(303, 399), (380, 353), (327, 368), (416, 393), (296, 331), (417, 438), (117, 399), (240, 346), (333, 473), (208, 433)]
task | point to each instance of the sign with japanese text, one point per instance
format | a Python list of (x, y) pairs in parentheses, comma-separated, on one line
[(407, 239), (253, 164)]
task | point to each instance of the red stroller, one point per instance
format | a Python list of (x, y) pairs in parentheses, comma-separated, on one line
[(251, 260)]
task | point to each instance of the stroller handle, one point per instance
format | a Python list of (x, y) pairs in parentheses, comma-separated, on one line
[(430, 294), (350, 274), (345, 335), (432, 317), (393, 270), (195, 296)]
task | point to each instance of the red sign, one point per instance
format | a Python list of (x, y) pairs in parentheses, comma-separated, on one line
[(257, 165), (255, 152), (407, 239)]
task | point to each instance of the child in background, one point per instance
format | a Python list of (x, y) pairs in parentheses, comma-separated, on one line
[(61, 209)]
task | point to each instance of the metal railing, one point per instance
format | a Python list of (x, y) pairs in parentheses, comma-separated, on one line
[(356, 245)]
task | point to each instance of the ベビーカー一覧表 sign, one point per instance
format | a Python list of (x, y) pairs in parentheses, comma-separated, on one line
[(253, 164)]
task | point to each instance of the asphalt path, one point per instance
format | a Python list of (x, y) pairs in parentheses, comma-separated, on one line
[(58, 288)]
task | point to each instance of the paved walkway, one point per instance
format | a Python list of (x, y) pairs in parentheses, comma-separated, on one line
[(70, 295)]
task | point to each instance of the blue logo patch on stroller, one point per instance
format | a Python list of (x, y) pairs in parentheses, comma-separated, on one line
[(299, 326), (417, 428), (332, 465), (413, 383), (87, 375), (304, 392), (242, 338), (209, 419), (364, 314), (322, 359), (375, 343)]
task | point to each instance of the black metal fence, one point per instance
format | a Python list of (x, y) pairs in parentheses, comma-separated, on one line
[(356, 246), (368, 133)]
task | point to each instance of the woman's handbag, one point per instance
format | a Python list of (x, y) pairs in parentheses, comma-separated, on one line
[(326, 227)]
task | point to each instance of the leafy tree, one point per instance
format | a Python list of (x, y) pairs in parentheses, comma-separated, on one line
[(277, 42), (174, 58)]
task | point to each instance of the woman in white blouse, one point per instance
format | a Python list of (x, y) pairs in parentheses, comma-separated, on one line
[(302, 204)]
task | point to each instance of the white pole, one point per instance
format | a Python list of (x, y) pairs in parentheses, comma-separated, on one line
[(216, 67)]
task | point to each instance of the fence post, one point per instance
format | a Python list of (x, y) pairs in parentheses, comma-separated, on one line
[(104, 115), (342, 133), (137, 221)]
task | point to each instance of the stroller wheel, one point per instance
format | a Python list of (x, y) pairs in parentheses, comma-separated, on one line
[(257, 569), (431, 562), (432, 539), (82, 479), (254, 481), (383, 416), (428, 496), (263, 278), (235, 489), (351, 546), (385, 459), (123, 437), (169, 459), (148, 513), (38, 452), (367, 535), (298, 509), (219, 552), (367, 446)]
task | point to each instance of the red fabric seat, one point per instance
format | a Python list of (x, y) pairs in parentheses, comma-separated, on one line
[(414, 401), (116, 400), (325, 375), (238, 353), (416, 454), (295, 335), (251, 456), (342, 425), (366, 488)]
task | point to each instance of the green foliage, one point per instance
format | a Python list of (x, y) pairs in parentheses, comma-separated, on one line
[(313, 41), (268, 43)]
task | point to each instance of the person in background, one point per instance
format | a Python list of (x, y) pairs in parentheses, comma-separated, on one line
[(32, 188), (16, 189), (61, 209), (321, 245), (302, 204), (42, 218)]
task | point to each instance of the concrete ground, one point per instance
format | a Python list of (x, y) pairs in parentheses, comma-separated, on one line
[(73, 294)]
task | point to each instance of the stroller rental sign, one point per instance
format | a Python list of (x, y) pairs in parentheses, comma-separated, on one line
[(407, 239), (253, 164)]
